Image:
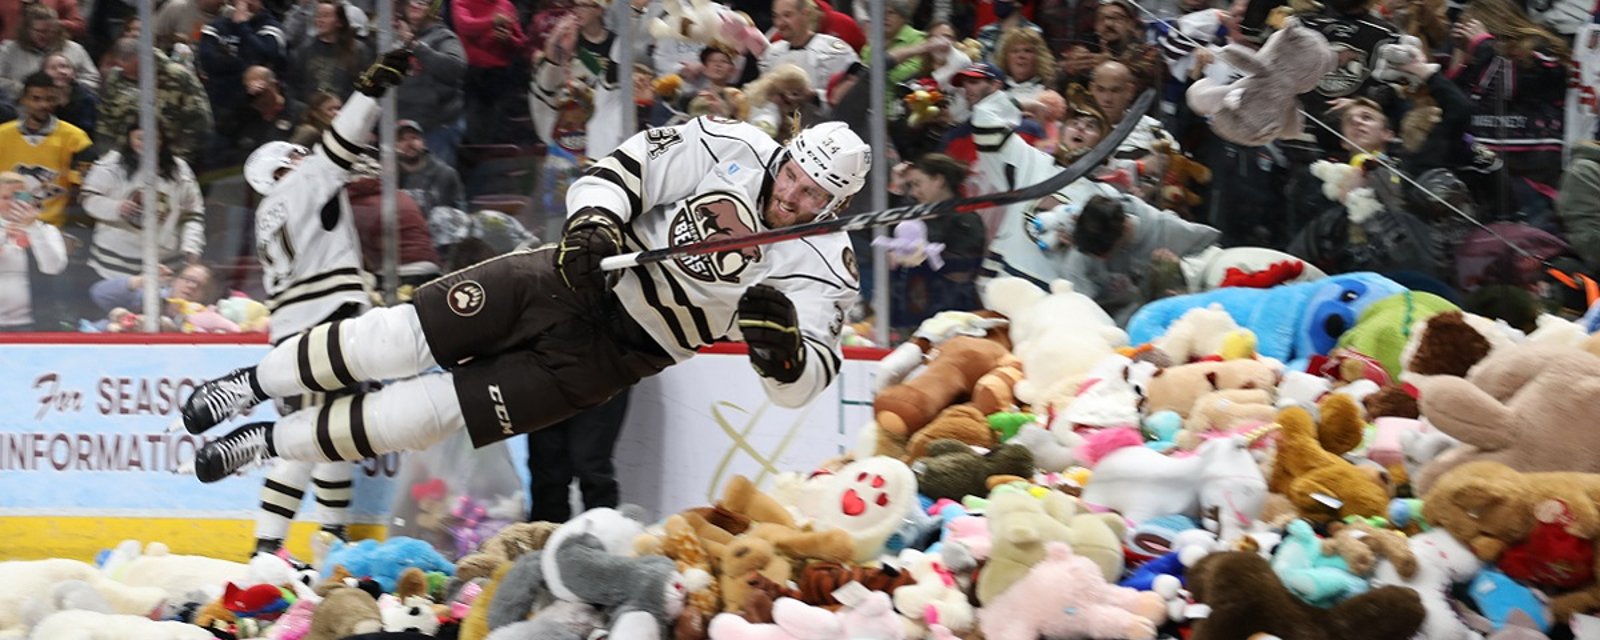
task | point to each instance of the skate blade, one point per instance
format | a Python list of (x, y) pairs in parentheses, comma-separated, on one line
[(177, 425)]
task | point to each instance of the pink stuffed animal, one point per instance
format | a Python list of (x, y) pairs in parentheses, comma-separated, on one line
[(1065, 596)]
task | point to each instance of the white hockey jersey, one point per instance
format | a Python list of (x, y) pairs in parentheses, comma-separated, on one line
[(706, 179), (305, 234), (1008, 162), (822, 57)]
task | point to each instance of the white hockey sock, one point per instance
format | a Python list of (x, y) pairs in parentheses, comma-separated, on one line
[(381, 344), (281, 494), (409, 415), (333, 491)]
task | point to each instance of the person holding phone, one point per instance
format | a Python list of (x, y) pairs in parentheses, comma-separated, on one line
[(25, 244)]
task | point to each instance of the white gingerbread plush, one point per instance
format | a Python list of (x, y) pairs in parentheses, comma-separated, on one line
[(869, 499)]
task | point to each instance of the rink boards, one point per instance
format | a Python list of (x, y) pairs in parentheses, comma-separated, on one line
[(85, 460)]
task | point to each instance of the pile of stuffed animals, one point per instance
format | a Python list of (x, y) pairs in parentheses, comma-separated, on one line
[(1335, 458)]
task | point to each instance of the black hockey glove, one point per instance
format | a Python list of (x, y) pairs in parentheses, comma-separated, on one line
[(772, 330), (590, 236), (390, 70)]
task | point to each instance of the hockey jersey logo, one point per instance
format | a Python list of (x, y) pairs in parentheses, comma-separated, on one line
[(715, 216), (41, 181)]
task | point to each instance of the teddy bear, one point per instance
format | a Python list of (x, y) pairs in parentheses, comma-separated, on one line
[(1321, 484), (679, 542), (1264, 105), (1540, 527), (1182, 171), (1223, 412), (1196, 334), (1179, 388), (1247, 600), (903, 409), (345, 611), (953, 470), (24, 580), (943, 326), (503, 547), (78, 624), (1021, 524), (962, 422), (1524, 406), (860, 505), (1059, 335), (1064, 595), (710, 24)]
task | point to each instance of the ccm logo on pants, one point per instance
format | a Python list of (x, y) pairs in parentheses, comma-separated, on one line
[(500, 411)]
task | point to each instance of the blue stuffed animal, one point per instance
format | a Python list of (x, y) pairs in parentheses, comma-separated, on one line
[(383, 562), (1291, 322), (1499, 598)]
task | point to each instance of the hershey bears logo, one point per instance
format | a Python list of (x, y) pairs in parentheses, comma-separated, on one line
[(465, 298), (715, 216), (850, 266)]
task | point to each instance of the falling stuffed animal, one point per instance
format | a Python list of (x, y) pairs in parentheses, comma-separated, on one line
[(1264, 105)]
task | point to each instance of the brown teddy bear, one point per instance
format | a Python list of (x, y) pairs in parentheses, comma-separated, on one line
[(1224, 411), (1177, 388), (962, 422), (1362, 545), (1246, 598), (1495, 509), (679, 541), (503, 548), (903, 409), (1526, 406), (1322, 485)]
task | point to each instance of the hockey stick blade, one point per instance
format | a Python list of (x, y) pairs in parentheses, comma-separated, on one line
[(894, 215)]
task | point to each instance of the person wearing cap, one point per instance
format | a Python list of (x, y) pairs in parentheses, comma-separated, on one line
[(430, 181), (821, 55), (534, 337), (982, 86)]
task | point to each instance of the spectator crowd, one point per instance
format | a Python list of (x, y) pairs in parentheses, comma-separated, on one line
[(1477, 159)]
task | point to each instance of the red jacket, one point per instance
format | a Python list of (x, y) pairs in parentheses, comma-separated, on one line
[(366, 202), (474, 24)]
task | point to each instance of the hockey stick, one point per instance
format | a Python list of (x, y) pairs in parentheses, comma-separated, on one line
[(1078, 169)]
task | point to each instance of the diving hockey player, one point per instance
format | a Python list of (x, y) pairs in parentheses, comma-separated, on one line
[(532, 337)]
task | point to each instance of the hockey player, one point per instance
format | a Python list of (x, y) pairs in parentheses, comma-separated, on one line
[(311, 260), (534, 336), (1035, 239)]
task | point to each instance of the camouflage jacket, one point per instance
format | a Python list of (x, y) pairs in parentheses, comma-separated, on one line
[(182, 110)]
